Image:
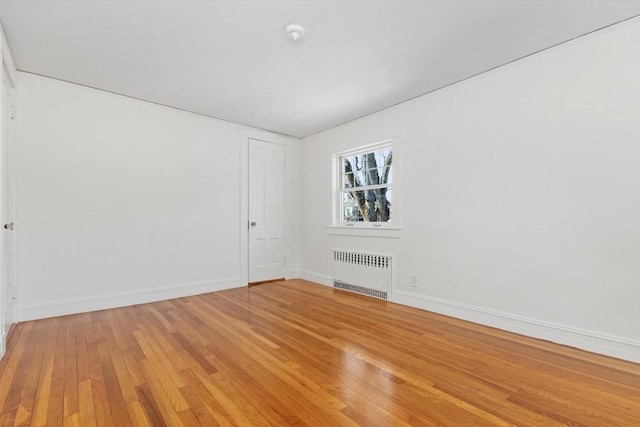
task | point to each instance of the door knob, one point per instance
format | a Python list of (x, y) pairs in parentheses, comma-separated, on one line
[(253, 223), (9, 226)]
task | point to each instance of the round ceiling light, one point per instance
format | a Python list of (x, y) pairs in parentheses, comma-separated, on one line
[(295, 32)]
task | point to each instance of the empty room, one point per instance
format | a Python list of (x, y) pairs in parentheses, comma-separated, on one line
[(320, 212)]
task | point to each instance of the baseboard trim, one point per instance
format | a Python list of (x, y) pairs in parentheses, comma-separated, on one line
[(291, 274), (3, 345), (596, 342), (122, 299), (312, 276), (609, 345)]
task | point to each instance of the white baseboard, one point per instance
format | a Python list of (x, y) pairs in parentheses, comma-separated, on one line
[(3, 345), (622, 348), (292, 274), (596, 342), (316, 277), (122, 299)]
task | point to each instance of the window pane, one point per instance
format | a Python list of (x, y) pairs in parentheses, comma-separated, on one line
[(360, 178), (383, 205), (350, 206), (353, 172), (389, 198), (353, 180), (385, 164), (346, 165), (366, 205), (347, 180), (350, 163), (389, 175), (372, 177)]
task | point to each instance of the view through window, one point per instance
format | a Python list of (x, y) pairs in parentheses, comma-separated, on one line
[(365, 185)]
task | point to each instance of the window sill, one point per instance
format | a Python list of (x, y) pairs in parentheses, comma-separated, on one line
[(387, 232)]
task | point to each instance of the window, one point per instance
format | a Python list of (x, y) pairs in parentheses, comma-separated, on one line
[(365, 186)]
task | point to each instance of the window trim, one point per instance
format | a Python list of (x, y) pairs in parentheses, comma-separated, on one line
[(390, 228)]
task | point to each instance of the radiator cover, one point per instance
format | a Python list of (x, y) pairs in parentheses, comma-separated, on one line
[(363, 273)]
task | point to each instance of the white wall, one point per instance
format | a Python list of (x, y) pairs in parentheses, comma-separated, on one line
[(122, 201), (521, 204)]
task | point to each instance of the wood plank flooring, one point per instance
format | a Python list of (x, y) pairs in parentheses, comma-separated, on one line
[(294, 353)]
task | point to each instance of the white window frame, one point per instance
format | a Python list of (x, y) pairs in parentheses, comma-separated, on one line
[(390, 228)]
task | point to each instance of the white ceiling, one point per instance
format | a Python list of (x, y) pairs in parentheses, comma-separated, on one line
[(232, 59)]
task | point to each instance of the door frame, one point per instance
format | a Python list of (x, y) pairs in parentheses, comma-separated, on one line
[(8, 70), (292, 187)]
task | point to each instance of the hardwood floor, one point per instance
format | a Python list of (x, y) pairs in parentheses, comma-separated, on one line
[(294, 353)]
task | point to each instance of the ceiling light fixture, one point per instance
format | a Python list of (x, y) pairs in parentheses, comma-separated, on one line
[(295, 32)]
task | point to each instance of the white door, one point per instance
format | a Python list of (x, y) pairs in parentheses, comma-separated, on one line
[(266, 210), (8, 207)]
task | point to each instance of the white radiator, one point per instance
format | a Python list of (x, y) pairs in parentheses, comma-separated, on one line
[(363, 273)]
